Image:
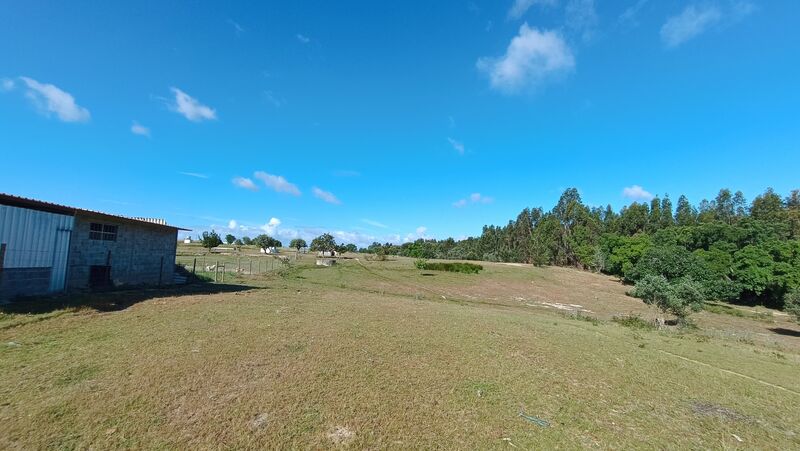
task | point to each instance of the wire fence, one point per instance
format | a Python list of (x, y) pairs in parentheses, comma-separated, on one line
[(216, 266)]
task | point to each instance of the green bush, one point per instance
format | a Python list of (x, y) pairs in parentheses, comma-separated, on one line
[(466, 268), (792, 304), (678, 298)]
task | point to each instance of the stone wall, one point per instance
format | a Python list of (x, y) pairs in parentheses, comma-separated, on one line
[(142, 254)]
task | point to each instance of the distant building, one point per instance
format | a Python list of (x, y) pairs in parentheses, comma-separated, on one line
[(270, 250), (49, 248), (326, 254), (187, 240)]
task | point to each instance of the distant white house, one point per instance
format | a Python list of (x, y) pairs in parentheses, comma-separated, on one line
[(187, 240), (326, 254), (270, 250)]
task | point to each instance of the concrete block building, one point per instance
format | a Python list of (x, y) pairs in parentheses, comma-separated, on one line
[(49, 248)]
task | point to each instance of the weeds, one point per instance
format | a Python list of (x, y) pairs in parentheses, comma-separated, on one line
[(634, 322), (466, 268)]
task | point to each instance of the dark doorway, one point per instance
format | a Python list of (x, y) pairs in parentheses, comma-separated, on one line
[(99, 276)]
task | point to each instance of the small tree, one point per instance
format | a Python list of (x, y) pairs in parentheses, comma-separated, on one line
[(791, 303), (210, 240), (324, 243), (230, 238), (246, 240), (265, 241), (298, 243), (679, 298)]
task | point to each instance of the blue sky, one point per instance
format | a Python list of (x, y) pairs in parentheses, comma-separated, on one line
[(389, 121)]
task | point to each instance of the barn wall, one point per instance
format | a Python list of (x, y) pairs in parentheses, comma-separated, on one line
[(34, 260), (141, 255)]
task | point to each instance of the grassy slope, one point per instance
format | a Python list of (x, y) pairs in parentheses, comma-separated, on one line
[(381, 353)]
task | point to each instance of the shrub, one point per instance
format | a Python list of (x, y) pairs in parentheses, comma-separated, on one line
[(678, 298), (466, 268), (634, 322), (791, 304)]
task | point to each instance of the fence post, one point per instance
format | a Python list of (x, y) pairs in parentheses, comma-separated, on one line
[(223, 273), (238, 264), (216, 270), (194, 265), (251, 266)]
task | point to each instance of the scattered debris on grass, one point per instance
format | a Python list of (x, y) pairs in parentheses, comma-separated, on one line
[(560, 306), (341, 435), (534, 420), (508, 440)]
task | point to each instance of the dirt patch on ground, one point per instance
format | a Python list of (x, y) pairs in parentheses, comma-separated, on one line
[(707, 409), (341, 435)]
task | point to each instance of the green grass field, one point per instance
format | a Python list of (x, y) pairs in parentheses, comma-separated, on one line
[(383, 355)]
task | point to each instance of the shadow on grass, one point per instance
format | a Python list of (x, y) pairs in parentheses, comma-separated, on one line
[(113, 299), (787, 332)]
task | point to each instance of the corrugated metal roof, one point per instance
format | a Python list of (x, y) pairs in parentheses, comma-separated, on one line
[(33, 204)]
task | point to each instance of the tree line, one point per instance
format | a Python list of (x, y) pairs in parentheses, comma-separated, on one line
[(721, 249)]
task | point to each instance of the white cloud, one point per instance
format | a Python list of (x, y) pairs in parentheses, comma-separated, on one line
[(636, 192), (246, 183), (474, 198), (457, 145), (532, 57), (191, 108), (303, 39), (7, 84), (139, 129), (277, 183), (194, 174), (693, 21), (582, 17), (271, 226), (327, 196), (232, 224), (421, 232), (374, 223), (520, 7), (50, 99)]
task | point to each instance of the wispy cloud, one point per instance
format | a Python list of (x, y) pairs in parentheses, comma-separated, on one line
[(457, 145), (244, 182), (690, 23), (191, 108), (532, 57), (139, 129), (374, 223), (636, 193), (194, 174), (327, 196), (232, 224), (236, 27), (520, 7), (50, 99), (581, 17), (7, 84), (631, 15), (474, 198), (277, 183), (302, 38), (698, 18), (273, 99)]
